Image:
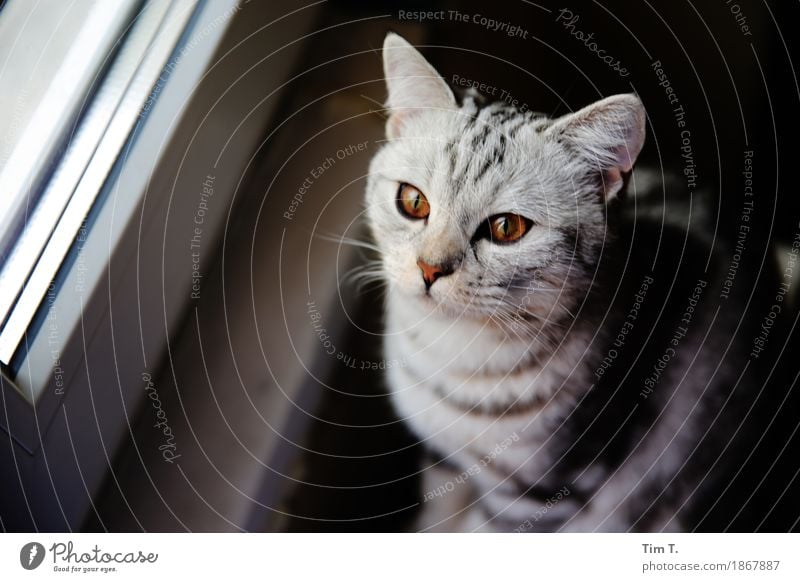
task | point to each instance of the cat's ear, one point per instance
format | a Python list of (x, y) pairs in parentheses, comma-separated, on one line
[(414, 85), (608, 134)]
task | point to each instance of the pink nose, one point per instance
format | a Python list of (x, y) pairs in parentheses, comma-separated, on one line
[(432, 272)]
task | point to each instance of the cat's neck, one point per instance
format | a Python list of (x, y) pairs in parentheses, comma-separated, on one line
[(469, 342)]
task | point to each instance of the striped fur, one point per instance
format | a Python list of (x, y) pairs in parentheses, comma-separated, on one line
[(509, 343)]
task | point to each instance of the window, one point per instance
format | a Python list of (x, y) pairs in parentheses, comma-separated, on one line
[(76, 102)]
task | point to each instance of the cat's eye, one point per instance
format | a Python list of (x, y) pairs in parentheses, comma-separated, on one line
[(412, 203), (505, 228)]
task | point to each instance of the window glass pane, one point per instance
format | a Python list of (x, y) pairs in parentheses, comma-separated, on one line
[(70, 132)]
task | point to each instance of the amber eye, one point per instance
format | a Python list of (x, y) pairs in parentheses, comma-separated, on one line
[(412, 202), (508, 227)]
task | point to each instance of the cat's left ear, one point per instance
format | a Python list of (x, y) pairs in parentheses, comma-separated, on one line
[(608, 134), (414, 85)]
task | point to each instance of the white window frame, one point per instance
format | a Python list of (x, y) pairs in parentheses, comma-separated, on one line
[(122, 252)]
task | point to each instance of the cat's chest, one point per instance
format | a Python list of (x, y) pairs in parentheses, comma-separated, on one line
[(469, 391), (456, 346), (472, 364)]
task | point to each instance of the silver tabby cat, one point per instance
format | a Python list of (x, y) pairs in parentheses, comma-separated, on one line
[(506, 293)]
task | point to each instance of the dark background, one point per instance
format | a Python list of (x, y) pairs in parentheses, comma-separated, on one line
[(359, 465)]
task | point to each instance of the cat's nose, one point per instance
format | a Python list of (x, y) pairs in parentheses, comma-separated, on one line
[(432, 272)]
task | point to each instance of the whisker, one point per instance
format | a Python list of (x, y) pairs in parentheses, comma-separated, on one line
[(518, 310), (564, 307), (523, 333), (344, 240), (535, 289), (361, 276)]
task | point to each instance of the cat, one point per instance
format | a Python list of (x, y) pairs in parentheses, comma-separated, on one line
[(564, 378)]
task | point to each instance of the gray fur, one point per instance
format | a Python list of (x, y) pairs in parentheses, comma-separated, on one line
[(509, 343)]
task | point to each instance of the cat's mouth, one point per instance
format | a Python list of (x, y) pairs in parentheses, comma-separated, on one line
[(513, 310), (441, 300), (453, 303)]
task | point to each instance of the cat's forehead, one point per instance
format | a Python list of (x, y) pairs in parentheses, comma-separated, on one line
[(481, 159), (491, 154)]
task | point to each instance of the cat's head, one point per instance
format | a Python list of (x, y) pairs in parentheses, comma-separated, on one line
[(488, 210)]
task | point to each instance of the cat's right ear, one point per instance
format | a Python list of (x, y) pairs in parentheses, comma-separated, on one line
[(608, 135), (414, 85)]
